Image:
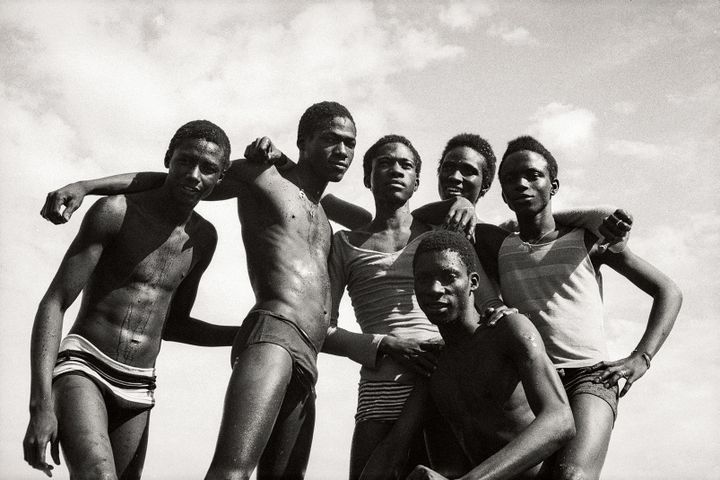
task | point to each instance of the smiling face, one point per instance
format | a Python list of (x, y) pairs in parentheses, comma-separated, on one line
[(393, 175), (195, 167), (444, 286), (330, 149), (527, 186), (461, 174)]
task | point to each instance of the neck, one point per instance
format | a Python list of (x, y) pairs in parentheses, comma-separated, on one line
[(308, 181), (391, 216), (166, 207), (461, 330), (534, 227)]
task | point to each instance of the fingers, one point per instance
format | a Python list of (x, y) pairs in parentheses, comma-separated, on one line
[(55, 450), (51, 210), (597, 366), (626, 217), (626, 387), (615, 228)]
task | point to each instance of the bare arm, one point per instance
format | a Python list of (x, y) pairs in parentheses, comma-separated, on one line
[(98, 227), (488, 239), (345, 213), (667, 299), (180, 326), (553, 424), (457, 214), (71, 196), (612, 226)]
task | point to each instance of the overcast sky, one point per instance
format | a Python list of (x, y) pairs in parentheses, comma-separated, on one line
[(625, 94)]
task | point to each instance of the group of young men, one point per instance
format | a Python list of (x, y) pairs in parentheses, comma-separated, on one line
[(458, 379)]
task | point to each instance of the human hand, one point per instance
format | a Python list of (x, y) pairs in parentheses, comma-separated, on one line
[(422, 472), (461, 217), (630, 368), (70, 196), (492, 315), (615, 230), (41, 430), (263, 150), (419, 357)]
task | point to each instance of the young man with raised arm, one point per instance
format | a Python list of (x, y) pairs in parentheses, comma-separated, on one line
[(549, 272), (269, 411), (494, 385), (138, 260)]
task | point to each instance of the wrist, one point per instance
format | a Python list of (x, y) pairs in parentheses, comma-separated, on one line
[(645, 356), (40, 406), (84, 185)]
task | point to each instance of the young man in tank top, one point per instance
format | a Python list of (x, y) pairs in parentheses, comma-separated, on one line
[(549, 273)]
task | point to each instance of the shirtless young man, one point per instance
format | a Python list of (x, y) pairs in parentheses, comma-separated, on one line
[(495, 386), (138, 259), (269, 411), (549, 273)]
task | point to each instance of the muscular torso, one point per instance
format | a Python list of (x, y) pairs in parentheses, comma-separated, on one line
[(126, 301), (287, 242), (478, 390)]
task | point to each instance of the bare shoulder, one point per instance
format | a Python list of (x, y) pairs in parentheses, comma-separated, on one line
[(520, 337), (202, 229), (107, 213), (489, 237)]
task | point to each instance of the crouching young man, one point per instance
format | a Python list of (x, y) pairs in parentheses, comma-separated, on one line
[(495, 386)]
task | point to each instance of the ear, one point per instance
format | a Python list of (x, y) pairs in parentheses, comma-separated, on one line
[(474, 278), (167, 161), (366, 181), (417, 183), (555, 186), (504, 197)]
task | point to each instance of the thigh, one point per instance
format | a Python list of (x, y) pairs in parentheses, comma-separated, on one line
[(585, 453), (83, 427), (255, 393), (366, 436), (287, 452), (129, 436)]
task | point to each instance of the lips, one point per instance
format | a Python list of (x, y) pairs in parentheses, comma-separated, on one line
[(453, 191)]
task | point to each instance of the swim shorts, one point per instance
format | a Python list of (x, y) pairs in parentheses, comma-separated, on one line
[(133, 386), (262, 326), (580, 380), (381, 401)]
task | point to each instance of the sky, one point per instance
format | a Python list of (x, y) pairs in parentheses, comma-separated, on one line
[(626, 94)]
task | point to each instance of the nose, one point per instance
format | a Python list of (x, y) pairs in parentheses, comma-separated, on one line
[(194, 172), (341, 149), (455, 175), (397, 169)]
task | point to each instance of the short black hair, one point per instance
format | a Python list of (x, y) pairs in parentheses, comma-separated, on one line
[(526, 142), (201, 129), (373, 150), (439, 240), (480, 145), (320, 115)]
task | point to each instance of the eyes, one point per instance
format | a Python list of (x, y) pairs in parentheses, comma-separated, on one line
[(529, 174), (445, 277), (205, 167), (387, 162), (466, 170), (329, 139)]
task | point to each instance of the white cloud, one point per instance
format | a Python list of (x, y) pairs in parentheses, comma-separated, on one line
[(512, 35), (464, 15), (705, 94), (566, 130), (625, 108), (635, 149)]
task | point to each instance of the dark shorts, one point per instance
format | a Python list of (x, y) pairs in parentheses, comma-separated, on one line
[(580, 380), (262, 326)]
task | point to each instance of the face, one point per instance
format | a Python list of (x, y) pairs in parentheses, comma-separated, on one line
[(330, 149), (461, 174), (195, 167), (443, 286), (526, 183), (394, 173)]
